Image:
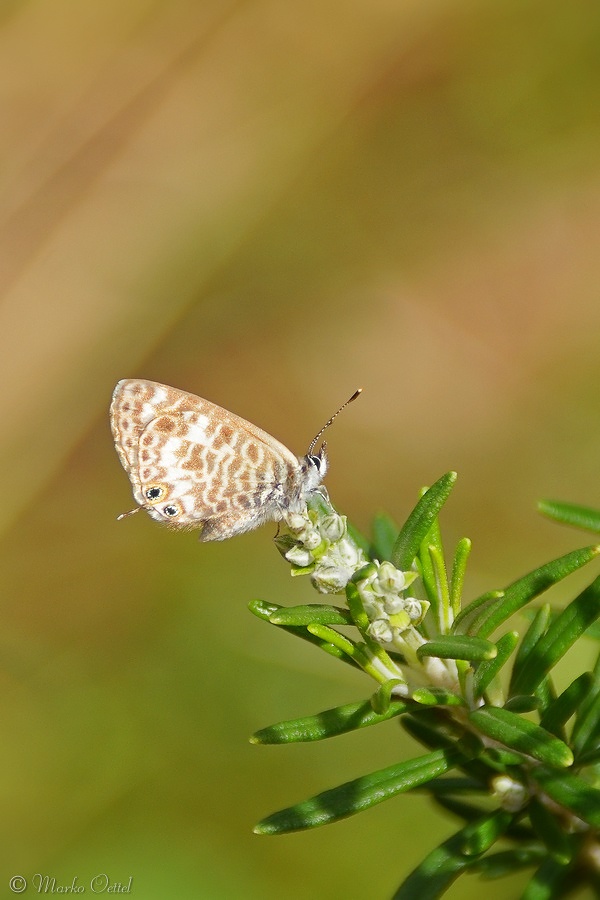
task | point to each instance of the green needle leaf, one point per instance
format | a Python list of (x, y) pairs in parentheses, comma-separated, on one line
[(548, 881), (562, 633), (524, 703), (461, 809), (593, 632), (499, 758), (453, 784), (442, 866), (437, 872), (262, 609), (328, 723), (266, 611), (310, 614), (546, 693), (467, 621), (430, 735), (355, 604), (520, 592), (362, 793), (488, 669), (560, 710), (459, 566), (537, 628), (586, 730), (437, 697), (458, 646), (519, 734), (423, 725), (480, 836), (589, 758), (385, 534), (425, 563), (420, 520), (506, 862), (570, 791), (382, 697), (440, 599), (551, 833), (433, 572), (571, 514)]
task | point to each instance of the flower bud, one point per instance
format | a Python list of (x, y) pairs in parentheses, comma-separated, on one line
[(299, 556), (296, 522), (414, 608), (330, 579), (349, 554), (380, 631), (391, 580), (393, 604), (333, 528), (310, 538), (512, 794)]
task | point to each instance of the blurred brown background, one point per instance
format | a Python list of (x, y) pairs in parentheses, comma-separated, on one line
[(269, 205)]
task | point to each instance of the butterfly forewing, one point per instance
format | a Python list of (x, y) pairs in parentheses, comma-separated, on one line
[(193, 464)]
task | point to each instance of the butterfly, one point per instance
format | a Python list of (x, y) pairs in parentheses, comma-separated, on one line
[(193, 464)]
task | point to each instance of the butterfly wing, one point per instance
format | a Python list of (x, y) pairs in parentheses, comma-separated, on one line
[(194, 464)]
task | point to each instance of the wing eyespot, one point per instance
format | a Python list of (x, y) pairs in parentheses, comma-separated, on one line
[(171, 510), (155, 492)]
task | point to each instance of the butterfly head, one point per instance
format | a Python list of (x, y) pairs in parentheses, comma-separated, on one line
[(316, 467)]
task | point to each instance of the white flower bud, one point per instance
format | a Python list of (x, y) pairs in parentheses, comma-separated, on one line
[(511, 794), (299, 556), (393, 604), (330, 579), (380, 631), (372, 606), (310, 538), (297, 522), (348, 553), (333, 528), (414, 608), (391, 580)]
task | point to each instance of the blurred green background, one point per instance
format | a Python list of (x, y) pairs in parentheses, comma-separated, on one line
[(270, 205)]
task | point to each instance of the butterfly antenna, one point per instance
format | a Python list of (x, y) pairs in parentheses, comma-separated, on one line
[(127, 514), (334, 416)]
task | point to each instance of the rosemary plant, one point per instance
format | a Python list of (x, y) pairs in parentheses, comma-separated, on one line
[(479, 698)]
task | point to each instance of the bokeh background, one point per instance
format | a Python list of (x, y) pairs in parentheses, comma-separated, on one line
[(270, 204)]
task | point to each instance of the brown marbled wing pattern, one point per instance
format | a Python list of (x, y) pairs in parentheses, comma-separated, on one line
[(193, 464)]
